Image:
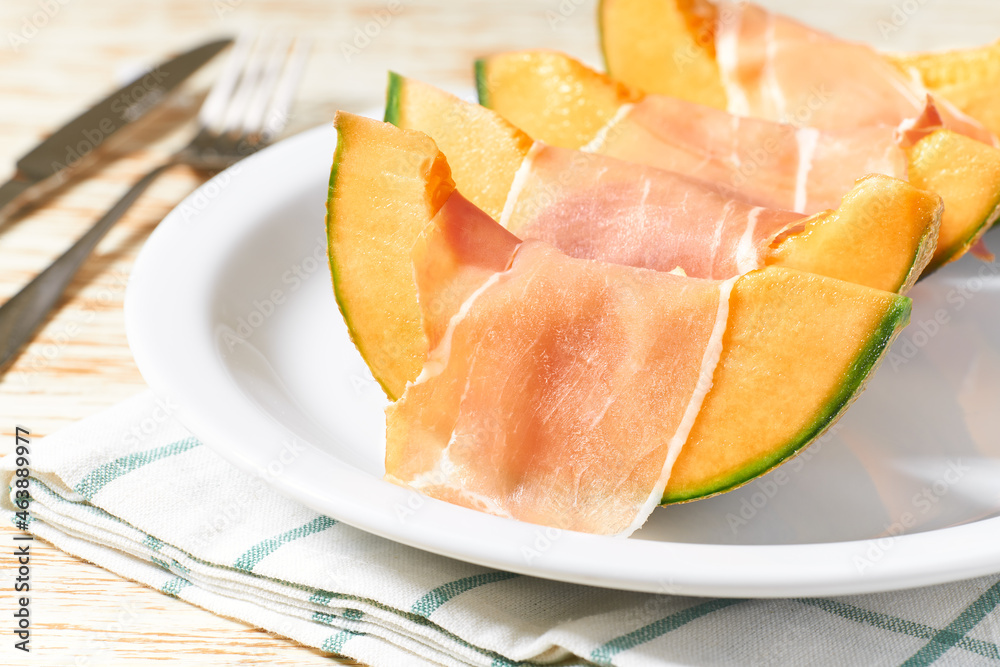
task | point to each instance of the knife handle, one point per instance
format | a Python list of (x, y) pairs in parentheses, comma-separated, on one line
[(25, 312), (9, 192)]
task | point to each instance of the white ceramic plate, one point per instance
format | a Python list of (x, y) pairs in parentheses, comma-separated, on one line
[(231, 313)]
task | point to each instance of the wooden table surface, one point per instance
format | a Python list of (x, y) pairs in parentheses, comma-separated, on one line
[(60, 55)]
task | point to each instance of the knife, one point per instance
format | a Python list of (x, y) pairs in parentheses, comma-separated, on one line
[(52, 162)]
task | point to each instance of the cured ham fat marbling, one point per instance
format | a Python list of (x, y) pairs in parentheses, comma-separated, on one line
[(595, 207), (718, 220), (557, 99), (777, 68), (777, 165), (557, 391)]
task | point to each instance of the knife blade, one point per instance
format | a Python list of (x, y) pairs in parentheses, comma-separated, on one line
[(52, 161)]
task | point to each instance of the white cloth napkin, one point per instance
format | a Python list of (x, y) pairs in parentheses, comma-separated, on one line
[(132, 491)]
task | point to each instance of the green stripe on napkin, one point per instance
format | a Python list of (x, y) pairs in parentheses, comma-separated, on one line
[(950, 636), (248, 561), (393, 596), (605, 652), (430, 602), (102, 476), (335, 643)]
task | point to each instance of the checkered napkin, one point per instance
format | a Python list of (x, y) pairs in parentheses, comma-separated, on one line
[(132, 491)]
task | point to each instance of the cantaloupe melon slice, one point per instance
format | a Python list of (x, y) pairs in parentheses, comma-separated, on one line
[(532, 89), (882, 215), (798, 347), (668, 47), (551, 96), (665, 47), (484, 150), (408, 184), (726, 447), (966, 173), (968, 78)]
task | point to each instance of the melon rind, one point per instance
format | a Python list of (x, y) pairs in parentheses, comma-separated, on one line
[(896, 317), (481, 74), (393, 93)]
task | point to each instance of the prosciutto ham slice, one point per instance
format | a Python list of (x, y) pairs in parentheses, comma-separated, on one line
[(777, 165), (595, 207), (538, 364), (776, 68)]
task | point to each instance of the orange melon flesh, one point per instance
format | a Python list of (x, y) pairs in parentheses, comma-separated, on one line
[(882, 215), (968, 78), (933, 164), (682, 46), (966, 174), (457, 128), (487, 148), (904, 227), (402, 190), (551, 97), (796, 344)]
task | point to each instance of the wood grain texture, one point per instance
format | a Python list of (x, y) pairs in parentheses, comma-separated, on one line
[(55, 62)]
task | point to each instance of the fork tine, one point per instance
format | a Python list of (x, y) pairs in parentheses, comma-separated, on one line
[(253, 119), (212, 111), (281, 101), (248, 82)]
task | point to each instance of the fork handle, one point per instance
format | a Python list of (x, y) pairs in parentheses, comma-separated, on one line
[(24, 313)]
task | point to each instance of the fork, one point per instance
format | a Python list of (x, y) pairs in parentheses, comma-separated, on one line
[(245, 109)]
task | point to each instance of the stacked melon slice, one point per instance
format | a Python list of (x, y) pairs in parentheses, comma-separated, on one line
[(777, 360), (572, 334), (897, 222), (531, 88), (749, 61), (968, 78)]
